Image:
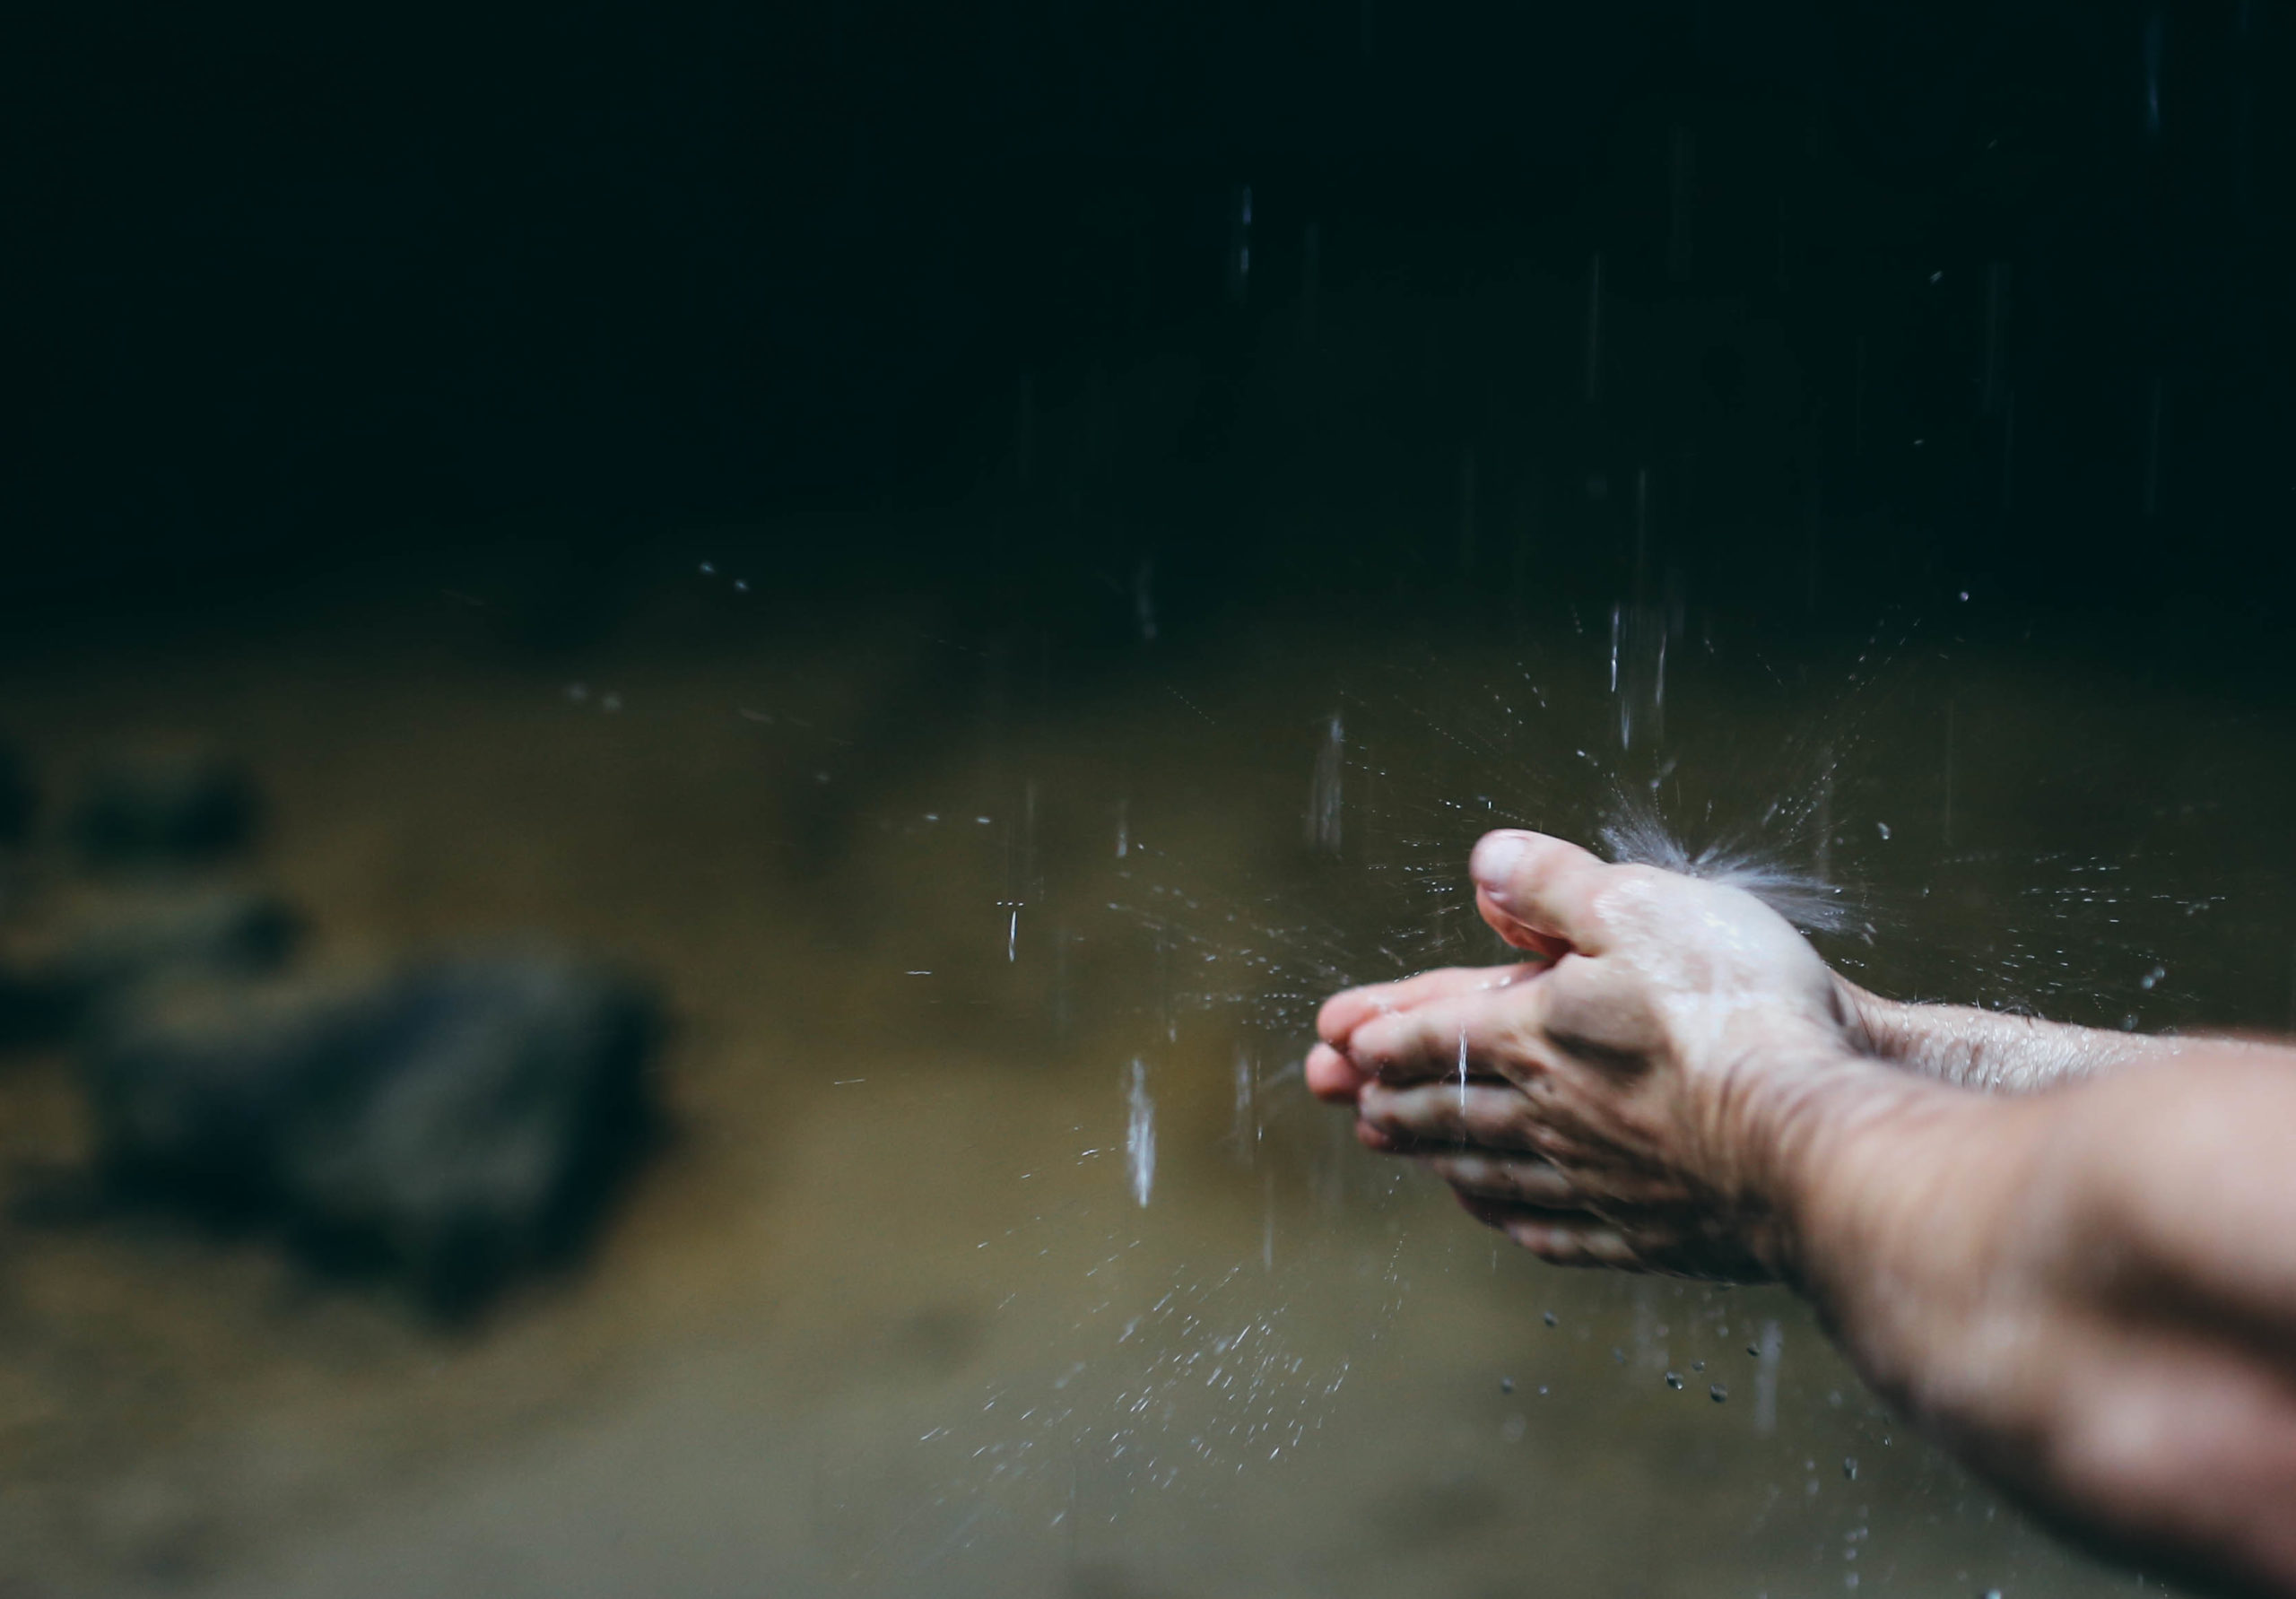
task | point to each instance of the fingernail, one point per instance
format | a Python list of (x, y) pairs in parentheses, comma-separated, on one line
[(1492, 865)]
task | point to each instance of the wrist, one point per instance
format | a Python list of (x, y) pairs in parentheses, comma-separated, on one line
[(1891, 1195), (1835, 1139)]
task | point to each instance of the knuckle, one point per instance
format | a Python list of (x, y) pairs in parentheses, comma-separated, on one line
[(1372, 1045)]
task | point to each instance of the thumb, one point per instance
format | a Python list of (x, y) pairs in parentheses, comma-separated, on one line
[(1537, 892)]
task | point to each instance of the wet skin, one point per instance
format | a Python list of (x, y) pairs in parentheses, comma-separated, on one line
[(2071, 1253)]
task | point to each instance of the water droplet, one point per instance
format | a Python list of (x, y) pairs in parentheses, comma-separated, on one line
[(1325, 791), (1548, 1319), (1674, 1380), (1850, 1468), (708, 568), (1883, 829), (1698, 1365), (1244, 1130), (1770, 1351), (1139, 1133), (1718, 1393), (2152, 976), (1506, 1384)]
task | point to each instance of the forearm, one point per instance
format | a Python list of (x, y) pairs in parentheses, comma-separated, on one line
[(2001, 1052), (2048, 1284)]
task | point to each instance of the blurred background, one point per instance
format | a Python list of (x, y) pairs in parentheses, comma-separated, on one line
[(692, 700)]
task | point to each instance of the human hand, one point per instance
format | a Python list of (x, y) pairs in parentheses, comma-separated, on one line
[(1620, 1100)]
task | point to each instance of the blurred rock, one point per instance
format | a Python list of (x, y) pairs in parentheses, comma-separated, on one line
[(164, 807), (459, 1122), (123, 941), (104, 945)]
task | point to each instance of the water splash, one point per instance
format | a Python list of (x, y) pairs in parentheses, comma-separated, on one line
[(1635, 835), (1140, 1134)]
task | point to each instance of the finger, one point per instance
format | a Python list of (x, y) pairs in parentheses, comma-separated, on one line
[(1348, 1009), (1332, 1077), (1566, 1243), (1519, 1221), (1573, 1238), (1425, 1043), (1380, 1142), (1486, 1115), (1534, 890), (1503, 1213), (1510, 1179), (1547, 946)]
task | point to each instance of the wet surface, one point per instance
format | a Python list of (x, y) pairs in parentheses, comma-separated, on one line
[(998, 1248)]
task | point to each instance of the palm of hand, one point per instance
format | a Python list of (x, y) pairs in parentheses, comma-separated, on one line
[(1598, 1116)]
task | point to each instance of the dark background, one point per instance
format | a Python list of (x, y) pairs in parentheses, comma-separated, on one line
[(1898, 300)]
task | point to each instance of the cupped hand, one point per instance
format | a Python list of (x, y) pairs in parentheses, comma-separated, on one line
[(1621, 1094)]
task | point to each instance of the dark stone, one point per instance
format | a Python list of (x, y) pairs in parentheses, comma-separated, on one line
[(127, 942), (109, 945), (164, 808), (459, 1123)]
